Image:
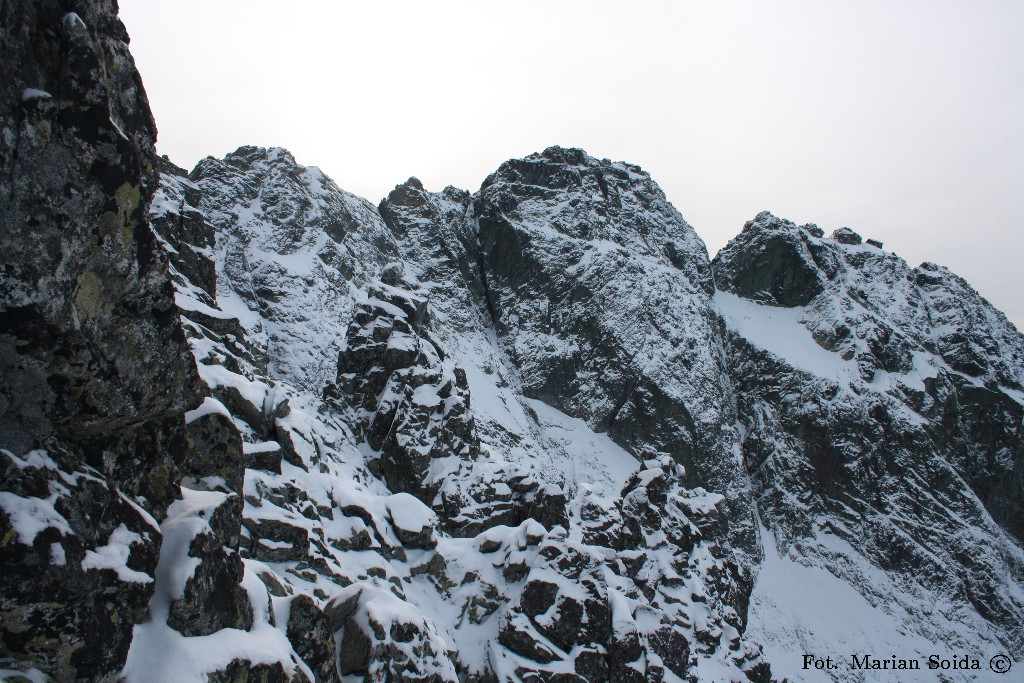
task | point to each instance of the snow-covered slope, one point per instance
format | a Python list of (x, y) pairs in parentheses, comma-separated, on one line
[(523, 360), (883, 493)]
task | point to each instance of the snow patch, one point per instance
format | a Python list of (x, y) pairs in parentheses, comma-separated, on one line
[(29, 94), (71, 20), (29, 516), (779, 331), (587, 457), (209, 406), (114, 555), (409, 513)]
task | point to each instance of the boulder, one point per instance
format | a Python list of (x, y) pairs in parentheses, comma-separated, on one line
[(414, 523), (213, 597), (385, 636), (846, 236), (310, 634), (77, 566)]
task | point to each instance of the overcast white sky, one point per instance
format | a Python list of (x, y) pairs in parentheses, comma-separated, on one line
[(899, 118)]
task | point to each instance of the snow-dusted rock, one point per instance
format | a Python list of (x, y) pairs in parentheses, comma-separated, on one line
[(383, 637), (211, 598), (291, 248), (846, 236), (78, 561), (410, 402), (256, 427), (311, 633), (854, 419)]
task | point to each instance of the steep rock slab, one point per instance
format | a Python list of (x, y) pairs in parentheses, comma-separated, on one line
[(90, 345), (95, 369), (986, 414), (436, 236), (292, 248), (854, 432), (601, 297)]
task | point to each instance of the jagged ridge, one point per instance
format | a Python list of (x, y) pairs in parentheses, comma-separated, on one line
[(528, 433)]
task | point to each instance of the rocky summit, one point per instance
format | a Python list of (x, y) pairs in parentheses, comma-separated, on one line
[(255, 428)]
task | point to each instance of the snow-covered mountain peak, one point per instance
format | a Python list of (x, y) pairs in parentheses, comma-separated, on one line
[(857, 378), (294, 249), (598, 206), (255, 427)]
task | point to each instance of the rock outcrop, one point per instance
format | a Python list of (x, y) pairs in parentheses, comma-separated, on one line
[(601, 296), (852, 403), (410, 404), (96, 371)]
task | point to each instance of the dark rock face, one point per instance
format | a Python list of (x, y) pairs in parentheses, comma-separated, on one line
[(566, 620), (984, 420), (878, 437), (437, 239), (311, 634), (601, 296), (773, 262), (96, 372), (533, 499), (531, 240), (176, 218), (972, 337), (244, 671), (78, 168), (846, 236)]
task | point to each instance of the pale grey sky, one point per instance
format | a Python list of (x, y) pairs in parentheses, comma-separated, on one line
[(899, 118)]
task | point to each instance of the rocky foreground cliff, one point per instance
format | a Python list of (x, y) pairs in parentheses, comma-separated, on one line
[(254, 427)]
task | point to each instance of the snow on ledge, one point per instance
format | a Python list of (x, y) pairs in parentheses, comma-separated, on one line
[(114, 555), (779, 332), (29, 94), (209, 406), (29, 516)]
